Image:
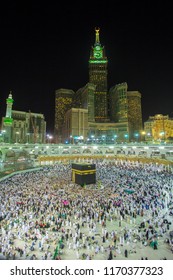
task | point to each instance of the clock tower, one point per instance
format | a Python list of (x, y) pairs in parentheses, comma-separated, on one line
[(98, 76)]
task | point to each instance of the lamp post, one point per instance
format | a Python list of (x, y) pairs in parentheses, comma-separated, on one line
[(115, 138), (50, 138), (92, 137), (163, 124), (126, 136), (104, 139), (149, 136), (162, 135), (81, 138), (137, 136), (71, 139), (143, 133)]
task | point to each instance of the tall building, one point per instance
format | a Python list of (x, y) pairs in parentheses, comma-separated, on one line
[(75, 126), (8, 120), (63, 102), (98, 76), (84, 98), (134, 115), (118, 103), (124, 120), (125, 107)]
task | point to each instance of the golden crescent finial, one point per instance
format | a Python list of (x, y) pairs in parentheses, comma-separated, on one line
[(97, 29)]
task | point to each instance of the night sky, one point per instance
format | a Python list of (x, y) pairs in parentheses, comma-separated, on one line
[(45, 47)]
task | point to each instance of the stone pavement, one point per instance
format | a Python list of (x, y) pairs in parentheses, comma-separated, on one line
[(95, 225), (136, 250)]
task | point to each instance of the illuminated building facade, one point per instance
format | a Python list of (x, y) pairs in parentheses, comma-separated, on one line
[(108, 132), (134, 115), (122, 122), (98, 76), (84, 98), (125, 108), (27, 127), (158, 128), (63, 102), (75, 126), (118, 103)]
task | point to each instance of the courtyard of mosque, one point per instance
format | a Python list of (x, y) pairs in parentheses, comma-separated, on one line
[(126, 214)]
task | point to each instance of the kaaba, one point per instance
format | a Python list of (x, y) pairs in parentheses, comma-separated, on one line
[(83, 173)]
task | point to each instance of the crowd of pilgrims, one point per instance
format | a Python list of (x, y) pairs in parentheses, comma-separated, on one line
[(44, 215)]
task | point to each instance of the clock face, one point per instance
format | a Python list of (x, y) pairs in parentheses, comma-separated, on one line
[(98, 54)]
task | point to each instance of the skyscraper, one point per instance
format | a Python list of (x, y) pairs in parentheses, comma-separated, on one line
[(84, 98), (98, 76), (125, 106), (118, 103), (123, 122), (63, 102), (134, 114)]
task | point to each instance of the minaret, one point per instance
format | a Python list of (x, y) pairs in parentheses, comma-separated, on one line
[(7, 120), (9, 102), (98, 76)]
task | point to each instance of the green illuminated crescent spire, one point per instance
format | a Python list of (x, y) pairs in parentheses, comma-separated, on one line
[(97, 36), (97, 54)]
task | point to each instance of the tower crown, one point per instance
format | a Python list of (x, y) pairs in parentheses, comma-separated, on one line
[(10, 98), (97, 53)]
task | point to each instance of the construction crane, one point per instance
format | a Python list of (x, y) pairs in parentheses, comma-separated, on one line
[(34, 127)]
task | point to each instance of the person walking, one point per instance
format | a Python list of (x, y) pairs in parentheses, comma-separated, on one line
[(126, 253)]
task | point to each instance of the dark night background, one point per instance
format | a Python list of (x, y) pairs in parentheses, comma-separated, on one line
[(45, 47)]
